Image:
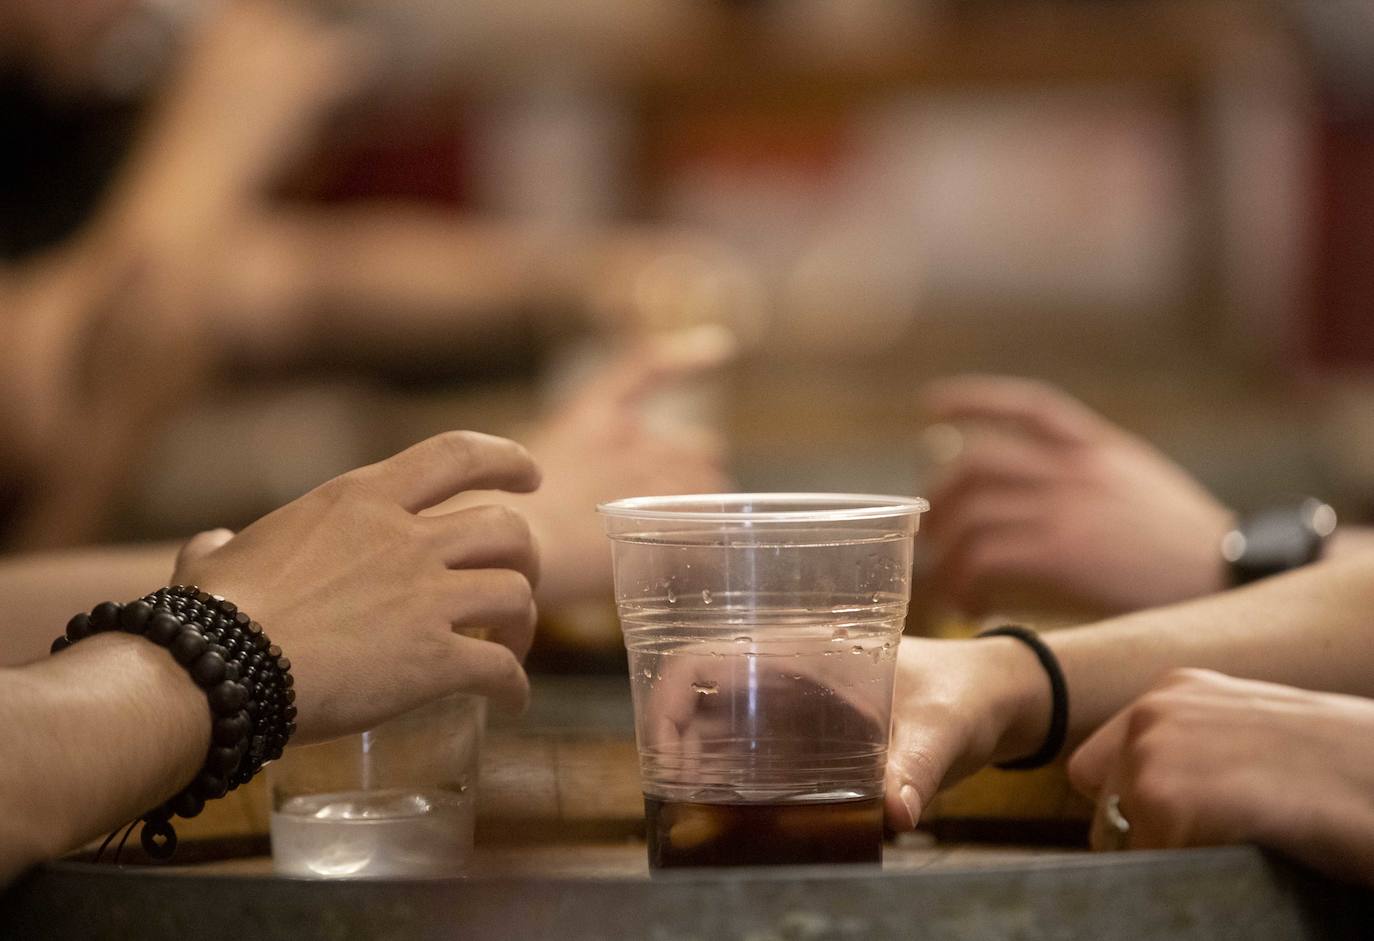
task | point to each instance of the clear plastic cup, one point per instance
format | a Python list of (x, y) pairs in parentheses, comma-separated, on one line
[(397, 800), (762, 632)]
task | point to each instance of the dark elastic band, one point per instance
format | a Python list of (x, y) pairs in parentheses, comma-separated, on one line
[(1059, 698)]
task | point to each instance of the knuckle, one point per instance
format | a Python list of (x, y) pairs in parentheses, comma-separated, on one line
[(509, 666), (508, 519), (458, 445), (1146, 715), (512, 588), (1187, 676), (343, 488), (430, 535), (506, 669), (521, 589)]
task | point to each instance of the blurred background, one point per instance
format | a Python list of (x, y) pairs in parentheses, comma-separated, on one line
[(392, 217)]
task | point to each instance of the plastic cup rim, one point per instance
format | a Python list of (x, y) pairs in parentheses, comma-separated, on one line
[(854, 506)]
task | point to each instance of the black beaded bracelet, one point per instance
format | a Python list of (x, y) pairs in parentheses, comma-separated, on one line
[(1059, 698), (247, 683)]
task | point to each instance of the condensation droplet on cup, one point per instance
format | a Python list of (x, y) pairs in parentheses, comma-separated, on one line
[(796, 676), (706, 596), (856, 649), (648, 674), (672, 595), (875, 597), (705, 688), (839, 636), (744, 639)]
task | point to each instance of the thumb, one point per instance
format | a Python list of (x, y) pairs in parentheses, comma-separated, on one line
[(917, 763), (202, 544), (660, 361)]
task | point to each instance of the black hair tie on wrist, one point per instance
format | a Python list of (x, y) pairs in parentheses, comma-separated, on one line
[(1059, 698), (246, 680)]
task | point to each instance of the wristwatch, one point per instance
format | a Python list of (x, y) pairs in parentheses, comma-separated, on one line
[(1278, 539)]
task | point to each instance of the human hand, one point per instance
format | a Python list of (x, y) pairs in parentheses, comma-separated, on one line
[(373, 602), (959, 705), (598, 447), (1048, 500), (713, 700), (1205, 759)]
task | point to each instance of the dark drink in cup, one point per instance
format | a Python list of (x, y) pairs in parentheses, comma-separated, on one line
[(778, 834)]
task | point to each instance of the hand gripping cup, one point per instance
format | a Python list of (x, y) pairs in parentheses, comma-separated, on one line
[(762, 632)]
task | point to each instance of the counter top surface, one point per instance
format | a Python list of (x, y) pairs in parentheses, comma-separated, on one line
[(560, 854)]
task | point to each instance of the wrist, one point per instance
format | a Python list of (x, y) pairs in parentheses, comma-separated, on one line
[(1215, 570), (154, 730), (242, 676), (1021, 700)]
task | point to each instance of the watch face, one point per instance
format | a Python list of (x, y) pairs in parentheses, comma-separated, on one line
[(1278, 540)]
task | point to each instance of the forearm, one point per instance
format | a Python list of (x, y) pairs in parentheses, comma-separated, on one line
[(40, 591), (90, 739), (1311, 629), (394, 276)]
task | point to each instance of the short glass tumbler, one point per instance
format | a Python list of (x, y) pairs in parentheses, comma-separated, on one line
[(397, 800), (762, 632)]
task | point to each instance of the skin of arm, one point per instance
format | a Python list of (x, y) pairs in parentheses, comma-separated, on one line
[(962, 704), (1350, 540), (391, 278), (92, 738), (40, 591)]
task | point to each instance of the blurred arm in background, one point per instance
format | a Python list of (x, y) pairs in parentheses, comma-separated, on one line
[(394, 278), (189, 261), (40, 591), (1048, 501)]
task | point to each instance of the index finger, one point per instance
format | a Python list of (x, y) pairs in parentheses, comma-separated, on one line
[(1034, 407), (439, 467)]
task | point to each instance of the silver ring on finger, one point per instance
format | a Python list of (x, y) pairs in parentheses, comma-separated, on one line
[(1118, 828)]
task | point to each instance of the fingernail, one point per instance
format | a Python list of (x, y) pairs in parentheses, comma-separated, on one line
[(911, 802)]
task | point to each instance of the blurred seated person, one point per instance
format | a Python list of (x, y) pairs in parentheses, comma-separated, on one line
[(1175, 752), (125, 296), (595, 448), (1047, 503), (370, 602)]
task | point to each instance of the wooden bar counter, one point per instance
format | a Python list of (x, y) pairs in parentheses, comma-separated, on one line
[(560, 854)]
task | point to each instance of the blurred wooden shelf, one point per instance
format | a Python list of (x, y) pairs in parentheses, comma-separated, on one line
[(722, 52)]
